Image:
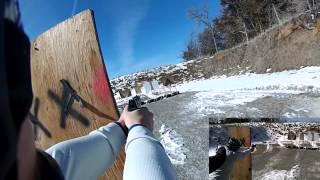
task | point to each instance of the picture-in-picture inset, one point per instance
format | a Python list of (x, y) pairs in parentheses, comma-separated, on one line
[(260, 150)]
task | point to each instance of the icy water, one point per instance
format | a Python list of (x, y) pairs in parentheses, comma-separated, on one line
[(282, 163)]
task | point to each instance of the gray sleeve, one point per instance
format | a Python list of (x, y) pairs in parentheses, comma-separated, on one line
[(146, 158), (89, 156)]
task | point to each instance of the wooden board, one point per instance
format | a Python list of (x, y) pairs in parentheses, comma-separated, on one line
[(242, 133), (242, 169), (71, 51)]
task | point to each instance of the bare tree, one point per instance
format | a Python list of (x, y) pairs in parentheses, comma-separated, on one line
[(192, 50), (245, 32), (202, 17), (276, 13)]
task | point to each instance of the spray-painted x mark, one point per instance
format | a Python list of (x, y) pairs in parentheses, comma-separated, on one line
[(68, 97), (36, 122)]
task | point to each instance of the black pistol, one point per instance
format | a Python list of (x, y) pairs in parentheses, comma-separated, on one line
[(134, 103)]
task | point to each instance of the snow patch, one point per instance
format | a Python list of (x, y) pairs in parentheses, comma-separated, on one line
[(207, 102), (220, 93), (304, 79), (173, 145), (291, 174)]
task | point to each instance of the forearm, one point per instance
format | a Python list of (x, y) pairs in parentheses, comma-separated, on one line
[(146, 158), (89, 156)]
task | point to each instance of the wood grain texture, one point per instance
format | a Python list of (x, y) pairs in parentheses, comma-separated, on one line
[(71, 51), (242, 169), (241, 133)]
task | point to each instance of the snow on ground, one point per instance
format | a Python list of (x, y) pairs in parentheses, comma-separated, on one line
[(217, 94), (173, 144), (291, 174), (304, 79), (215, 102)]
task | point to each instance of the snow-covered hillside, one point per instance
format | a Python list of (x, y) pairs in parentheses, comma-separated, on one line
[(128, 81)]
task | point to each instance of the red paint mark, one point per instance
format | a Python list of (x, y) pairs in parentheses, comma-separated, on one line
[(101, 85)]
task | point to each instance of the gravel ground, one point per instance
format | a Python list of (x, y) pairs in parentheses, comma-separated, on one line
[(305, 105), (283, 163), (193, 129), (270, 164), (257, 104)]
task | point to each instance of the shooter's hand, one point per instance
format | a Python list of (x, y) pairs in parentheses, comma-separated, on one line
[(140, 116)]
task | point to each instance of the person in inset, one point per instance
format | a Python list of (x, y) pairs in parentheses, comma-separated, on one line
[(83, 158), (221, 163)]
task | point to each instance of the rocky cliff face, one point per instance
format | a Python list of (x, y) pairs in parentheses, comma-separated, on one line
[(291, 45)]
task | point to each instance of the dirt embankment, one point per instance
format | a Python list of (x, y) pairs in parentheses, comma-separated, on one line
[(291, 45)]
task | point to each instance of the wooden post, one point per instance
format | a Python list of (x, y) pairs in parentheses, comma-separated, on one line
[(71, 51), (242, 169)]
